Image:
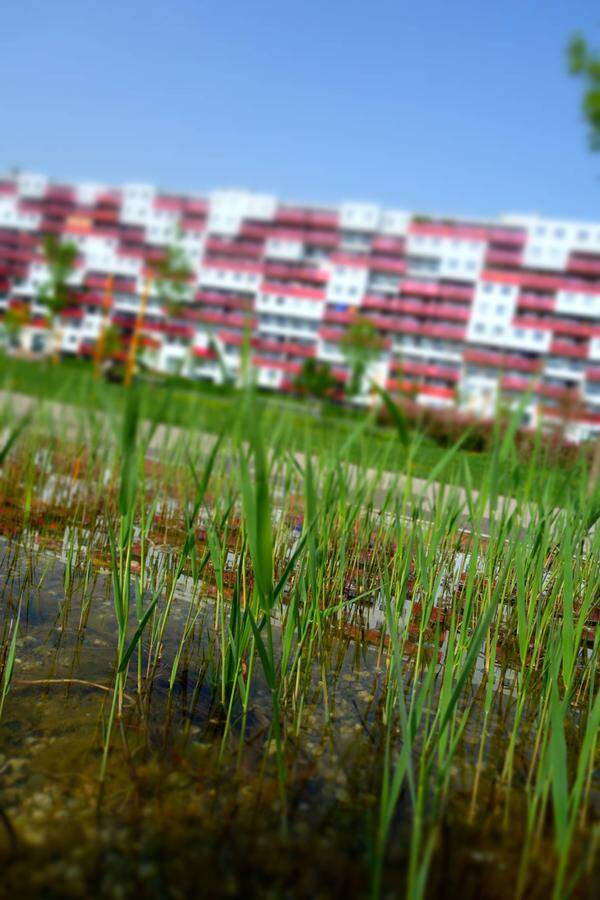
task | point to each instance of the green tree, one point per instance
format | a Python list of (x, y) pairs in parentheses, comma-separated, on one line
[(360, 345), (585, 64), (15, 317), (60, 259), (173, 275), (315, 379)]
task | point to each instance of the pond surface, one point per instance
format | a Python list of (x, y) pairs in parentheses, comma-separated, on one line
[(189, 810)]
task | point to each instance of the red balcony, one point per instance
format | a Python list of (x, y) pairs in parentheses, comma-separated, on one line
[(434, 390), (593, 373), (189, 223), (197, 206), (535, 303), (288, 347), (556, 326), (204, 352), (427, 370), (333, 335), (227, 301), (299, 293), (387, 264), (514, 383), (170, 203), (105, 216), (60, 193), (576, 351), (209, 317), (450, 229), (434, 289), (231, 338), (502, 361), (404, 387), (574, 329), (557, 392), (307, 218), (243, 249), (506, 235), (384, 244), (175, 329), (295, 273), (291, 368), (580, 265), (503, 258), (532, 322), (338, 317), (535, 281)]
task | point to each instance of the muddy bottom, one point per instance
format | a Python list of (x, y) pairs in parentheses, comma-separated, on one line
[(185, 811)]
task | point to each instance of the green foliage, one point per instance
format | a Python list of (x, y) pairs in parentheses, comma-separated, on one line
[(172, 279), (585, 64), (360, 344), (60, 257), (315, 379)]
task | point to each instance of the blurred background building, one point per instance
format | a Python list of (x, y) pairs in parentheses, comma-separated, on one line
[(453, 312)]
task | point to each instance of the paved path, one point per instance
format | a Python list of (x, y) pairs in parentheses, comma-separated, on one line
[(423, 494)]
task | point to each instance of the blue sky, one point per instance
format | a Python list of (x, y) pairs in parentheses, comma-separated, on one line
[(456, 106)]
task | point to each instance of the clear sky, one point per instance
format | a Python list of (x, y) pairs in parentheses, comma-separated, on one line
[(455, 106)]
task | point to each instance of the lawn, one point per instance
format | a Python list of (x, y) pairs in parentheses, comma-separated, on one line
[(291, 422)]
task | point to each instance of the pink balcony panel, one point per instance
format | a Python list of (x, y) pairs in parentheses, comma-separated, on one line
[(535, 303), (581, 266), (288, 347), (562, 348), (514, 383), (233, 338), (291, 368), (204, 353), (434, 390), (298, 293), (389, 264), (337, 316), (334, 335), (503, 258), (218, 318), (428, 370), (502, 361), (557, 392), (295, 273), (385, 244)]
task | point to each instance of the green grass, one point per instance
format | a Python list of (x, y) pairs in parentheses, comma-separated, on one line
[(291, 422), (484, 704)]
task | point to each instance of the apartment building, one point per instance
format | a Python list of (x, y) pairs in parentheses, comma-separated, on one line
[(469, 313)]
